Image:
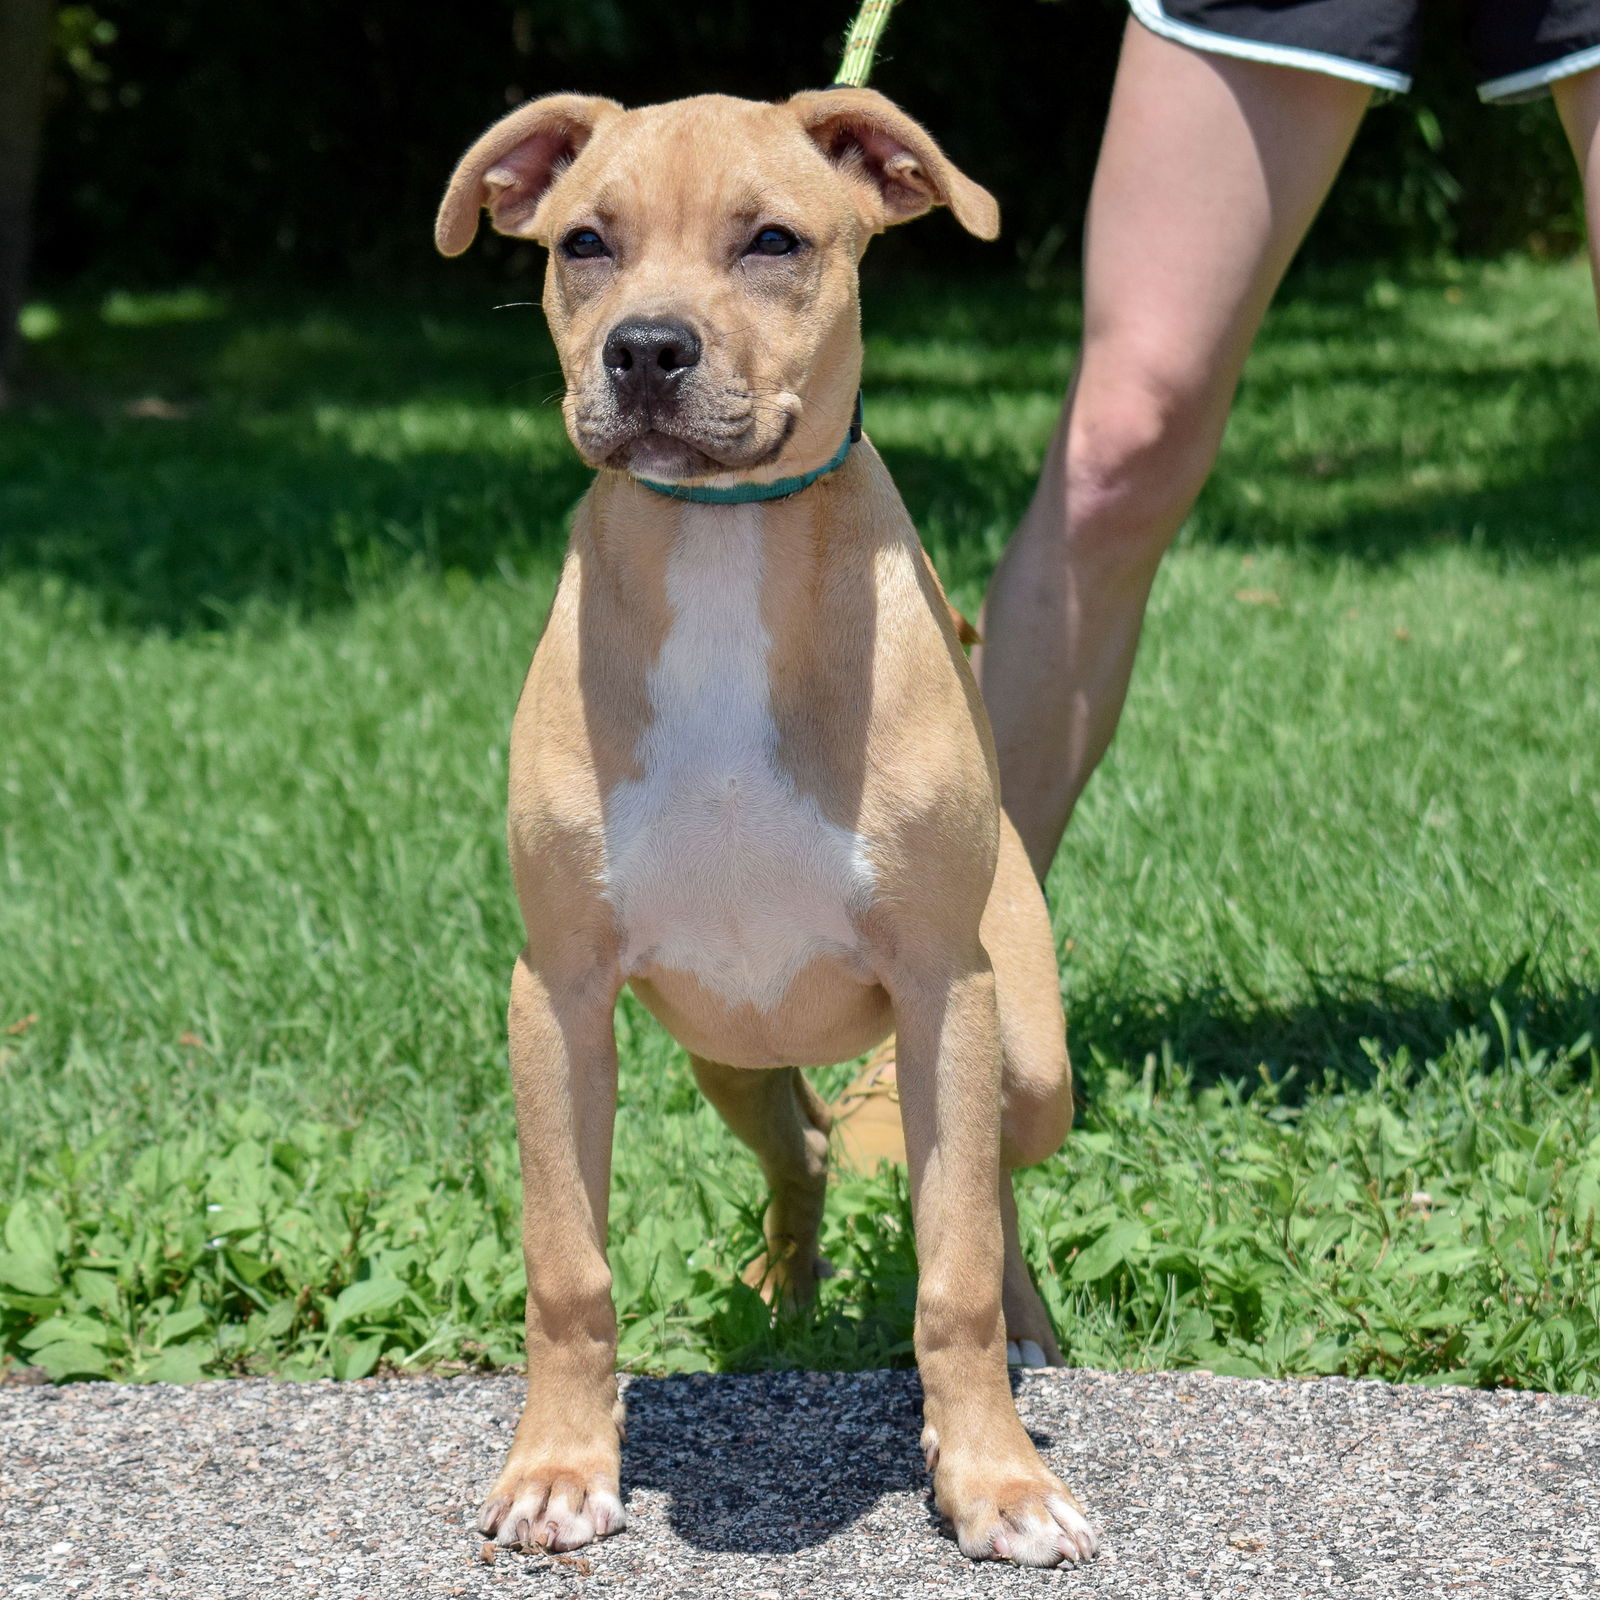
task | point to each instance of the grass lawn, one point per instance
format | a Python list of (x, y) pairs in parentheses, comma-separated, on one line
[(271, 569)]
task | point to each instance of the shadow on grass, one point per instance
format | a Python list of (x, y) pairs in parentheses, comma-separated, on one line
[(271, 350), (287, 454), (239, 484), (178, 525), (1542, 506), (1333, 1035)]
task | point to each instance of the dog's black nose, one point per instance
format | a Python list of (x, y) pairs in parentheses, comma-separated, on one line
[(648, 355)]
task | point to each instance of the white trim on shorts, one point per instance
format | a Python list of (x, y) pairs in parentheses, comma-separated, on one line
[(1532, 83), (1149, 12)]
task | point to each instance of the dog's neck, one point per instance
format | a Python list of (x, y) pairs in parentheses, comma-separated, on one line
[(629, 532), (780, 561)]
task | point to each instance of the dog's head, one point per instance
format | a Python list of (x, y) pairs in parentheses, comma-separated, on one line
[(702, 277)]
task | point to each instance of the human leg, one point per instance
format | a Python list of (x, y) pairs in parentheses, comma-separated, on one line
[(1578, 101), (1210, 172)]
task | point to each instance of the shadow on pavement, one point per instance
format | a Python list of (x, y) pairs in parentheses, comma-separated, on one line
[(783, 1462), (786, 1462)]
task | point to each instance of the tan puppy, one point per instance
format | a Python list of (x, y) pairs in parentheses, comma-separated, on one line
[(751, 775)]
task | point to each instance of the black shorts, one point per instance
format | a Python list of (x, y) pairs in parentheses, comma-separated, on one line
[(1520, 47)]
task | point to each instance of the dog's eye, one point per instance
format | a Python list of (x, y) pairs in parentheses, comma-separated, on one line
[(584, 244), (772, 242)]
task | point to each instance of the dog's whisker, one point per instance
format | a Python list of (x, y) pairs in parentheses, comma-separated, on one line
[(528, 382)]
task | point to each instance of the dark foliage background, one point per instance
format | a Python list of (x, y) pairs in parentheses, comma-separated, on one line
[(312, 139)]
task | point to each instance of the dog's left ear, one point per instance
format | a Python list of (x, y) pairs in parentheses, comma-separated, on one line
[(511, 166), (876, 144)]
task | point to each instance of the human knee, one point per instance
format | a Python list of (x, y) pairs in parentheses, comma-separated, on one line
[(1136, 456)]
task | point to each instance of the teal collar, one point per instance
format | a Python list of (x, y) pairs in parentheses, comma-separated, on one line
[(743, 493)]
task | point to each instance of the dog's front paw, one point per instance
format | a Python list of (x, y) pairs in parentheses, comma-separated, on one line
[(552, 1508), (1032, 1520)]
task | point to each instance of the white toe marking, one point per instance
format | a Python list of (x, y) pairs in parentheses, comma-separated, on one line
[(1035, 1542), (1074, 1523), (520, 1525), (605, 1509), (987, 1547), (558, 1524), (1032, 1354), (563, 1526)]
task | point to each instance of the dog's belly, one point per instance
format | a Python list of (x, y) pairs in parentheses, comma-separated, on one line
[(718, 868), (829, 1013)]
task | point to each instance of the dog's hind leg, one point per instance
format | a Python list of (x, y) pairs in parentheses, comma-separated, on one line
[(783, 1120), (1030, 1336), (1036, 1075)]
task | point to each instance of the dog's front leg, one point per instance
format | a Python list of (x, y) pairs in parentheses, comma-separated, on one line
[(560, 1485), (988, 1478)]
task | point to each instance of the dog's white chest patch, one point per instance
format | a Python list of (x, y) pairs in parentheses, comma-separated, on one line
[(715, 863)]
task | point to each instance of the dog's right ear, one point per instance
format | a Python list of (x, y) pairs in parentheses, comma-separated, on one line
[(511, 167)]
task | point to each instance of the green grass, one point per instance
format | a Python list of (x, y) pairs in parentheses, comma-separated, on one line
[(1329, 914)]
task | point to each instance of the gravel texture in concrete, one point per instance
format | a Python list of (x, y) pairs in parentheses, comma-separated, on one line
[(793, 1484)]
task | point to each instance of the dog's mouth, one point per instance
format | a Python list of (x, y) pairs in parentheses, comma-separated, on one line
[(678, 448), (656, 453)]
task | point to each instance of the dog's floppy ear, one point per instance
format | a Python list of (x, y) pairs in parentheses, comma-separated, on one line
[(875, 143), (509, 169)]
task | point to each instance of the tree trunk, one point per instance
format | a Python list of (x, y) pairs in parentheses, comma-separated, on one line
[(24, 58)]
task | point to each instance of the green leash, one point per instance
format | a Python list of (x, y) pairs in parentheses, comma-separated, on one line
[(861, 48), (862, 44)]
